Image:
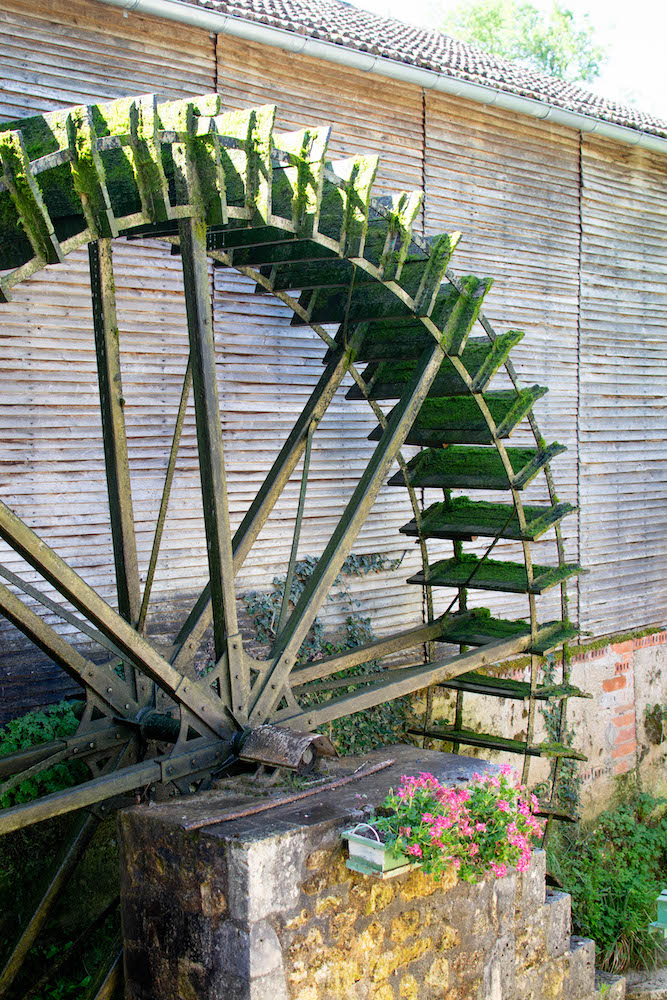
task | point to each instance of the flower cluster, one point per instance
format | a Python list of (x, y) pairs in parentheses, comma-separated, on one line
[(486, 826)]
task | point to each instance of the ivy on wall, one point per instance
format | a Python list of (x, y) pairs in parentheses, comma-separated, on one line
[(365, 730)]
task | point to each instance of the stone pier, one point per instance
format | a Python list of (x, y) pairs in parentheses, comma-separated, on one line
[(264, 908)]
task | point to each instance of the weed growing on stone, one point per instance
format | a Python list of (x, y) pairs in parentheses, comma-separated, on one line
[(614, 870)]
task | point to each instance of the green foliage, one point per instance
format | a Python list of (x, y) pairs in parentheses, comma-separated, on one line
[(555, 43), (655, 723), (364, 730), (479, 829), (40, 726), (614, 870)]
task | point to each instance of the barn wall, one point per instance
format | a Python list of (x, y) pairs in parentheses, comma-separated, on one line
[(532, 206), (54, 55), (623, 409)]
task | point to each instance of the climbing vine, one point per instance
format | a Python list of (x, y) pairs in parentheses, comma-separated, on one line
[(565, 777), (364, 730)]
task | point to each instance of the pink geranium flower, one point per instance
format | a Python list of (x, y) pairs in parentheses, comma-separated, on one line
[(416, 850)]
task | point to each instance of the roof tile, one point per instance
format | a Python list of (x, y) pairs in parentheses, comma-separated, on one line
[(344, 24)]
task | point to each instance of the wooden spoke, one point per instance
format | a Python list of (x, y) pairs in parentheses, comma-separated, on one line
[(333, 557), (79, 839), (397, 683), (212, 465), (111, 689), (312, 234), (54, 569), (188, 639), (166, 491), (113, 429)]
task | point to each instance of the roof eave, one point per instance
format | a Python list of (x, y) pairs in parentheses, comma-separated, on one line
[(227, 24)]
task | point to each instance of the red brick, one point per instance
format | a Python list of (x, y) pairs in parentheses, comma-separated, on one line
[(627, 719), (622, 767), (614, 683), (624, 750), (625, 735), (624, 647), (627, 706)]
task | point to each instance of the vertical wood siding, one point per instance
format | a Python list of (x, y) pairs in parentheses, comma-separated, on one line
[(594, 336), (510, 186), (623, 417), (51, 56)]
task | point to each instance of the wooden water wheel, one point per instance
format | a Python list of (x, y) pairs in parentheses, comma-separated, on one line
[(227, 187)]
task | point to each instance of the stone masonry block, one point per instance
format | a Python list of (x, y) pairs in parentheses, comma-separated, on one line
[(264, 908), (264, 875), (499, 971), (581, 980), (504, 893), (530, 885), (613, 986), (557, 910)]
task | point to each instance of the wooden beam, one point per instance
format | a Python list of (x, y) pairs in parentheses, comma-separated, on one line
[(235, 689), (197, 697), (113, 429), (188, 639), (111, 689), (406, 681), (289, 642)]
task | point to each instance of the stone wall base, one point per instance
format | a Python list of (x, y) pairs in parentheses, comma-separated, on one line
[(264, 908)]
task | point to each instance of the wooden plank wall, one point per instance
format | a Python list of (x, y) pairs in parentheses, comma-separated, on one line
[(510, 184), (266, 361), (54, 55), (623, 407)]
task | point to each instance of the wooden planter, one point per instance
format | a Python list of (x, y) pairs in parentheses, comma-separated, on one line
[(370, 856)]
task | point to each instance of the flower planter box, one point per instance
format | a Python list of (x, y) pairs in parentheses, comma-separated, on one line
[(370, 856)]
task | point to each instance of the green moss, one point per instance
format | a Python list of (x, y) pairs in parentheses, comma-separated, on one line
[(493, 574), (454, 412), (486, 625), (488, 518), (461, 459)]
